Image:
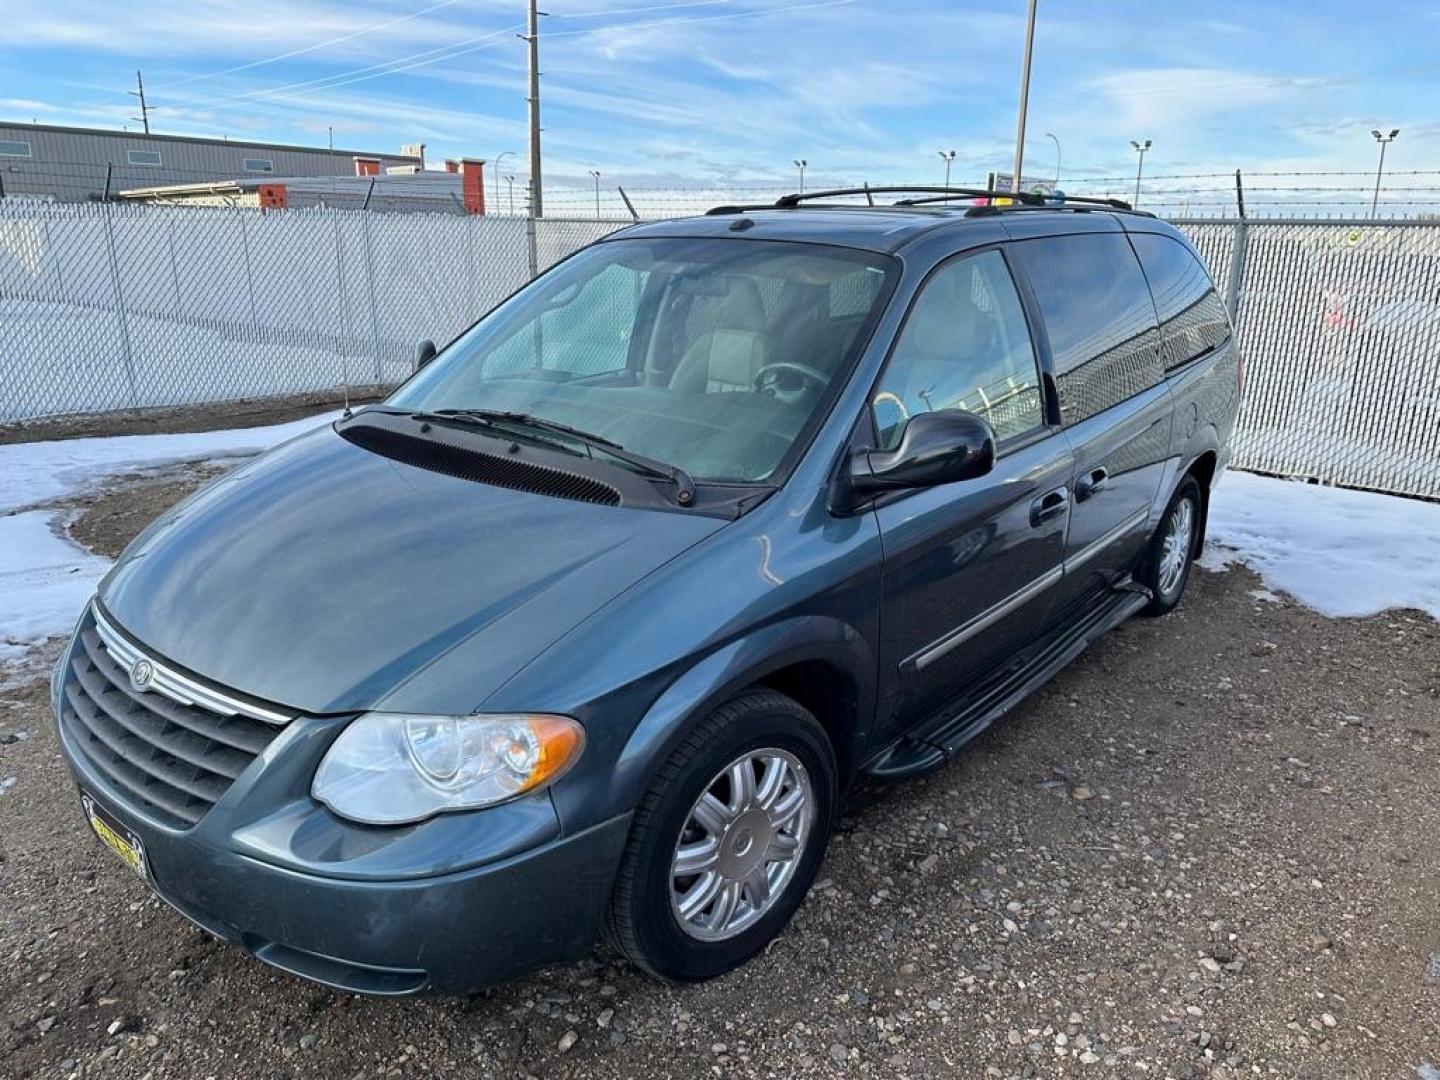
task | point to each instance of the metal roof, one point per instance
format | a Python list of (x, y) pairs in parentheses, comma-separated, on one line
[(206, 140)]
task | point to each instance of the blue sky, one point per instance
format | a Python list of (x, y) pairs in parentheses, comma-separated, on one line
[(725, 93)]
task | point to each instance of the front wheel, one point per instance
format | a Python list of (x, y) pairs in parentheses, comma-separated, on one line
[(1171, 555), (727, 841)]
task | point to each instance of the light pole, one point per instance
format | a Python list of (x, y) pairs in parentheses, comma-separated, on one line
[(596, 174), (1024, 99), (1051, 136), (1140, 149), (800, 164), (510, 183), (496, 166), (947, 156), (1384, 141)]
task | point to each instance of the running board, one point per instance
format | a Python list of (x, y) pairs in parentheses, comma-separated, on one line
[(932, 745)]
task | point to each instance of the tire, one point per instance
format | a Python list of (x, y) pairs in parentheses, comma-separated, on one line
[(645, 920), (1165, 570)]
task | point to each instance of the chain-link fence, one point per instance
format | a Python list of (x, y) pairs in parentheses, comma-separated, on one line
[(1339, 324), (106, 306)]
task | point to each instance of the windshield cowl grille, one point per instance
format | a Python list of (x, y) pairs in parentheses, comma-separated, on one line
[(478, 466)]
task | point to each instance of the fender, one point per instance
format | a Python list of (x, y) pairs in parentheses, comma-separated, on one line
[(711, 682)]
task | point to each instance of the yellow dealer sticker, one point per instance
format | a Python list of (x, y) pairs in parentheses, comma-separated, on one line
[(115, 836)]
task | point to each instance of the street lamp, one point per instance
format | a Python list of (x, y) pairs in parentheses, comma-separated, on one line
[(510, 182), (947, 156), (800, 164), (1140, 149), (1051, 136), (1384, 141), (1024, 99), (596, 174)]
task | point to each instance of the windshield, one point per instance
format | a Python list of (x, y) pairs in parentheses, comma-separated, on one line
[(713, 355)]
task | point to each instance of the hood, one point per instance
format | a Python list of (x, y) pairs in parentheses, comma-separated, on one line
[(327, 578)]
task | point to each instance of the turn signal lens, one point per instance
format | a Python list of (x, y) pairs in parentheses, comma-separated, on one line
[(391, 769)]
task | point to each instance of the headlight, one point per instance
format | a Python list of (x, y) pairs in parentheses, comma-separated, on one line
[(391, 769)]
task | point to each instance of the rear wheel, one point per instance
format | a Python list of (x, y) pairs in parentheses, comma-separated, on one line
[(726, 842), (1172, 549)]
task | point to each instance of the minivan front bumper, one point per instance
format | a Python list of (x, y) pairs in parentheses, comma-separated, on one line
[(425, 926), (450, 933)]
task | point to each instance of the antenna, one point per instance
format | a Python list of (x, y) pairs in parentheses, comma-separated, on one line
[(139, 92)]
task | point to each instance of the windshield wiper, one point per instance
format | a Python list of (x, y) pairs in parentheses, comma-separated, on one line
[(684, 485)]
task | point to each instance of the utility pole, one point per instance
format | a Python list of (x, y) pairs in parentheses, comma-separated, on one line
[(139, 92), (800, 164), (947, 156), (1140, 149), (1024, 99), (1384, 141), (596, 174), (532, 37)]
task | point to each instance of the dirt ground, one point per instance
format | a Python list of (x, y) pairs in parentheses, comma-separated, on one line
[(1210, 848), (215, 416)]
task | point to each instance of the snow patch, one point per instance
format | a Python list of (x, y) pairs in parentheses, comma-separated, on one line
[(1343, 553), (40, 472), (45, 577)]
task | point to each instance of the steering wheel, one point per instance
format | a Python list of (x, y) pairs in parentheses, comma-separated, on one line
[(766, 378)]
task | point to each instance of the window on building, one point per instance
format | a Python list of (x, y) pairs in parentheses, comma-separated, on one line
[(14, 149), (259, 164), (1192, 317), (966, 345), (143, 157), (1099, 318)]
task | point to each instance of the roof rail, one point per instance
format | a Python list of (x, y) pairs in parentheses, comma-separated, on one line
[(1049, 202), (1026, 197), (1014, 200)]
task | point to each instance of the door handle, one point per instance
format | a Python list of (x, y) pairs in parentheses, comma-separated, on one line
[(1049, 506), (1091, 484)]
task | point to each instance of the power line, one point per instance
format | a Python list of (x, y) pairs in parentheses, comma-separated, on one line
[(312, 48), (491, 40)]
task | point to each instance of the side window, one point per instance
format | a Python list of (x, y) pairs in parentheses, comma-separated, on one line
[(965, 345), (1099, 318), (1192, 317)]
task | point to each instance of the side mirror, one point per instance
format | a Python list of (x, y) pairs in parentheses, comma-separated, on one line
[(424, 353), (937, 448)]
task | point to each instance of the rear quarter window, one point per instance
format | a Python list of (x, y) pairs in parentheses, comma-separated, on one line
[(1192, 316), (1098, 316)]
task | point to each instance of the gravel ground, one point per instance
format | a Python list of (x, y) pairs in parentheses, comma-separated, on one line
[(1210, 848)]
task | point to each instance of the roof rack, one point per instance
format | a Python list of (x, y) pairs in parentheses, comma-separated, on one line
[(1026, 197), (1047, 202), (1016, 200)]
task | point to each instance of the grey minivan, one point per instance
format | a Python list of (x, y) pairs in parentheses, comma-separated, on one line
[(592, 623)]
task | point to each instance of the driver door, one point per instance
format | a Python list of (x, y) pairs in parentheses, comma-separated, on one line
[(969, 566)]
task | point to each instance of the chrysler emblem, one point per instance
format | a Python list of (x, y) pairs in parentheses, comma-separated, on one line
[(142, 674)]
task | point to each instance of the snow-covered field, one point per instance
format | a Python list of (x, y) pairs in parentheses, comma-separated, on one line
[(1344, 553), (45, 577)]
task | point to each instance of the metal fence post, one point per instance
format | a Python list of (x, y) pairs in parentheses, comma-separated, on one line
[(106, 211), (249, 274), (370, 284), (1237, 269), (531, 246)]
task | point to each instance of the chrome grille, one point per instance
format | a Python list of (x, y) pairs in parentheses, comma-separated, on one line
[(175, 749)]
